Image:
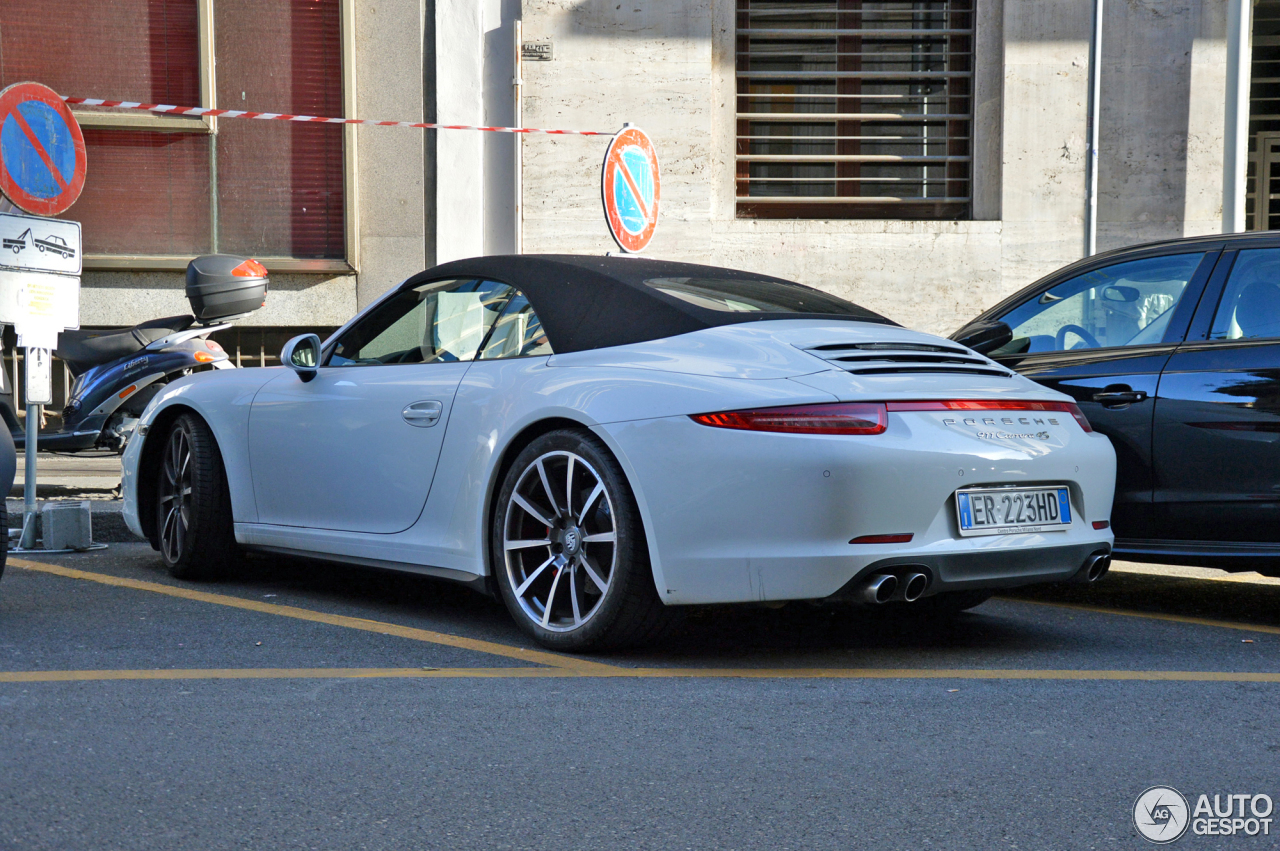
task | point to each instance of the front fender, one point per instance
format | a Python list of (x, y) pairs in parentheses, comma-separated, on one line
[(223, 399)]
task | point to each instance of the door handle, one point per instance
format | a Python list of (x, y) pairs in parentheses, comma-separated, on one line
[(422, 414), (1110, 398)]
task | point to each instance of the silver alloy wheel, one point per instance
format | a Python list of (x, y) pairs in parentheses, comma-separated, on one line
[(559, 541), (175, 494)]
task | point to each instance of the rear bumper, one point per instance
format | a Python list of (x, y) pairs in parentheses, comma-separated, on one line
[(982, 570), (738, 516)]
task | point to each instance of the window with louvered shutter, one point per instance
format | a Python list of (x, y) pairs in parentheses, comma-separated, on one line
[(854, 109)]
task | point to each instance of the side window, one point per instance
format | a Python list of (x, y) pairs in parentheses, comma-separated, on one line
[(1250, 305), (1128, 304), (439, 322), (518, 333)]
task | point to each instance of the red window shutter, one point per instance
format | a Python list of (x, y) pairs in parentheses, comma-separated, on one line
[(280, 185), (145, 50), (146, 193)]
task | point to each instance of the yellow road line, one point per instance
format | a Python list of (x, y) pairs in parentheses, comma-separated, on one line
[(492, 648), (1155, 616), (642, 673)]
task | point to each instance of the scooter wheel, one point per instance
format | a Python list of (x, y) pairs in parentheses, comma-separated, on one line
[(193, 505)]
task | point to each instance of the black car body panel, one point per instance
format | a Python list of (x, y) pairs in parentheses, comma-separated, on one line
[(1194, 416)]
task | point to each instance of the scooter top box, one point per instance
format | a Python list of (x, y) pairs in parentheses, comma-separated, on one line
[(222, 286)]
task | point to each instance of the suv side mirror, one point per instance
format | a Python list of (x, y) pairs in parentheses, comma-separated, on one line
[(984, 337), (302, 355)]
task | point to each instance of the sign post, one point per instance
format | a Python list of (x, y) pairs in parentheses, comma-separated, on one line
[(42, 170)]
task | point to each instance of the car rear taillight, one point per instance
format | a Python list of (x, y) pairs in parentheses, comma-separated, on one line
[(994, 405), (835, 418)]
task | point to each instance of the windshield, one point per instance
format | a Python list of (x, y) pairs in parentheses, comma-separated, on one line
[(758, 295)]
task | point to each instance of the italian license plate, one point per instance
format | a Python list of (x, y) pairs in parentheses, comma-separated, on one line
[(1009, 511)]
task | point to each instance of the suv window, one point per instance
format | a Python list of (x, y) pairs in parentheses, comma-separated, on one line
[(1127, 304), (439, 322), (1250, 305), (518, 333)]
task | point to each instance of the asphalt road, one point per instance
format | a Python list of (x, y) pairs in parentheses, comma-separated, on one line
[(302, 705)]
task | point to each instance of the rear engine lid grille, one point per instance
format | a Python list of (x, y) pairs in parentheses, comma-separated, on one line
[(901, 358)]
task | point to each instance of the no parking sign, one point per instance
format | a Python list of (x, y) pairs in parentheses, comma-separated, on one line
[(42, 156), (631, 188)]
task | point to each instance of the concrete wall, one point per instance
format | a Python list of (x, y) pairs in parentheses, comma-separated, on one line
[(394, 208), (1162, 133), (668, 66), (1046, 90)]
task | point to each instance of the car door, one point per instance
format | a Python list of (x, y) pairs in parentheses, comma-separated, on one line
[(1217, 413), (355, 448), (1103, 336)]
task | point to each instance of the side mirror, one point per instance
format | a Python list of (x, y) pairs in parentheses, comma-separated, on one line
[(302, 355), (984, 337)]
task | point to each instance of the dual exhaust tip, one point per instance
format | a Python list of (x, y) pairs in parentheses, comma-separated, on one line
[(1095, 567), (883, 587)]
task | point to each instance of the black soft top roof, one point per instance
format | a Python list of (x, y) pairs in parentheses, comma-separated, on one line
[(590, 302)]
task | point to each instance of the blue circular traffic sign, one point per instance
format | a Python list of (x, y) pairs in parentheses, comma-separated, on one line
[(42, 155), (631, 189)]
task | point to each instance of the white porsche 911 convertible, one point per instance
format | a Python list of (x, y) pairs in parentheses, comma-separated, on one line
[(599, 439)]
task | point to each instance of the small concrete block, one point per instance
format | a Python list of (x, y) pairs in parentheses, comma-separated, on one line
[(66, 526)]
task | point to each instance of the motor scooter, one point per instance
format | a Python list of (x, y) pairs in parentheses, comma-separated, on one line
[(118, 371)]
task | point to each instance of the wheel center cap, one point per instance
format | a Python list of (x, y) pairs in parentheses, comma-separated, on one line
[(572, 540)]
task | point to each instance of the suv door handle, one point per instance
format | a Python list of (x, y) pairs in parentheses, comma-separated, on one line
[(1110, 398), (422, 414)]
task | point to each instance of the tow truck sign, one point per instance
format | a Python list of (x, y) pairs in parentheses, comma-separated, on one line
[(37, 244)]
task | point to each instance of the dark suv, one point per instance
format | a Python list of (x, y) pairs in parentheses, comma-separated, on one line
[(1172, 349)]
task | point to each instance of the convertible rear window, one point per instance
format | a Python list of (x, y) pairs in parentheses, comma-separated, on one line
[(757, 295)]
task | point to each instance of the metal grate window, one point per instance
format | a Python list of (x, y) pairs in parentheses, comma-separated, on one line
[(854, 109), (1262, 208)]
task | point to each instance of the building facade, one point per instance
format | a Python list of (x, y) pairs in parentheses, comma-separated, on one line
[(923, 159)]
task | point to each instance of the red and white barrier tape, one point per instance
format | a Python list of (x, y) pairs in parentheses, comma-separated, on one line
[(169, 109)]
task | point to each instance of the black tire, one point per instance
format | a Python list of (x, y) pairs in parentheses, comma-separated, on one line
[(626, 611), (193, 507)]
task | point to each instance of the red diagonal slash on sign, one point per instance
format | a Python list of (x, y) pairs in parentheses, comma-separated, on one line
[(631, 184), (35, 143)]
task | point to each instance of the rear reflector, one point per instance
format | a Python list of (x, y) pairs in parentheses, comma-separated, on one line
[(994, 405), (835, 418), (884, 539), (1102, 524), (250, 269)]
